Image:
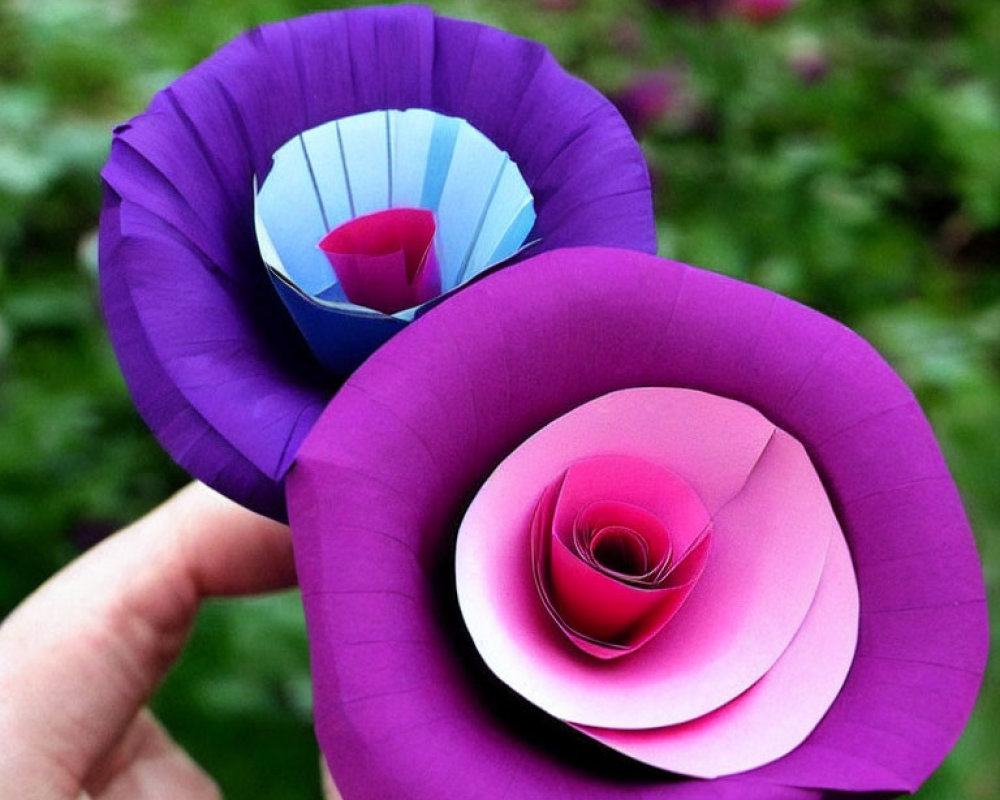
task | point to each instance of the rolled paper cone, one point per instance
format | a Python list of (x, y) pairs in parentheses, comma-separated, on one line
[(386, 260), (625, 501), (623, 531)]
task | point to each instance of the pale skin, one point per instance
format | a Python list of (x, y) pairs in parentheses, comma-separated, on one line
[(80, 657)]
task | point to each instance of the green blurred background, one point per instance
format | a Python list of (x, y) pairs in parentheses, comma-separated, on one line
[(845, 153)]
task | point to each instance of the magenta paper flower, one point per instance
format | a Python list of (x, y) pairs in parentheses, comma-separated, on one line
[(833, 640), (211, 356)]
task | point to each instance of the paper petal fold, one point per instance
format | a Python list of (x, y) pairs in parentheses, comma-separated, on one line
[(385, 260), (188, 164), (777, 713), (608, 614), (770, 535), (402, 709)]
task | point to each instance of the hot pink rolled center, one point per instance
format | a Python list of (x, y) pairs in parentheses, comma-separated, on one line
[(386, 260), (617, 544)]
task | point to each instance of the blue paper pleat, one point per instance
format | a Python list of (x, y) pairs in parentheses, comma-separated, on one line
[(291, 203), (370, 162), (340, 341)]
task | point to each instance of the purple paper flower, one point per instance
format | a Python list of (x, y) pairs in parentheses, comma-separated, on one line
[(212, 359), (405, 707)]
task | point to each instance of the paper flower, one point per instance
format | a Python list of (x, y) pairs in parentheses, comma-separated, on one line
[(214, 362), (780, 418)]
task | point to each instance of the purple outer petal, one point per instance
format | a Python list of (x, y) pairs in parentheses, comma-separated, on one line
[(211, 357), (403, 708)]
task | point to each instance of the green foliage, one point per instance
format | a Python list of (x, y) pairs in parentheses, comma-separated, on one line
[(847, 154)]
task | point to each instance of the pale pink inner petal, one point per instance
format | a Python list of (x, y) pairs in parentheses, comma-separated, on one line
[(777, 713), (386, 260), (770, 536)]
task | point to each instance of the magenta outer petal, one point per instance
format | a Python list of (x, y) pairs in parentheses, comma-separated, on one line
[(215, 365), (403, 708)]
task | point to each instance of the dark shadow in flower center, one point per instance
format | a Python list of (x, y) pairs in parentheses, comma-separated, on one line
[(620, 550)]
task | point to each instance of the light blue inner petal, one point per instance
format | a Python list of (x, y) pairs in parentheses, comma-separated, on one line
[(370, 162), (514, 237), (475, 166), (438, 164), (411, 133), (291, 211), (505, 225), (364, 141), (323, 147)]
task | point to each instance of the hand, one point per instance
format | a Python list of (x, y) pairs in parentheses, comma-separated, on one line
[(82, 655)]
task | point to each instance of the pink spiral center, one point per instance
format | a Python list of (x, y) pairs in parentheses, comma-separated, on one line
[(603, 541)]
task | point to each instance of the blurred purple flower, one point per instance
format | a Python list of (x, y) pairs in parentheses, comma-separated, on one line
[(701, 9), (808, 60), (627, 36), (651, 98), (811, 67)]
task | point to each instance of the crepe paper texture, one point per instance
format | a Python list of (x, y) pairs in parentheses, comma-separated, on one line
[(772, 532), (405, 706), (216, 366), (362, 176)]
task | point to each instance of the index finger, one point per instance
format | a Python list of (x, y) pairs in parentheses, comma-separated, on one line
[(82, 654)]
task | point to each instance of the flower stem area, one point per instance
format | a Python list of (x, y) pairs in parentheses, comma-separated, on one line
[(840, 152)]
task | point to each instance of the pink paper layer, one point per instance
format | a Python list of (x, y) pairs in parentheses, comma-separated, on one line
[(623, 502), (772, 523), (776, 714)]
